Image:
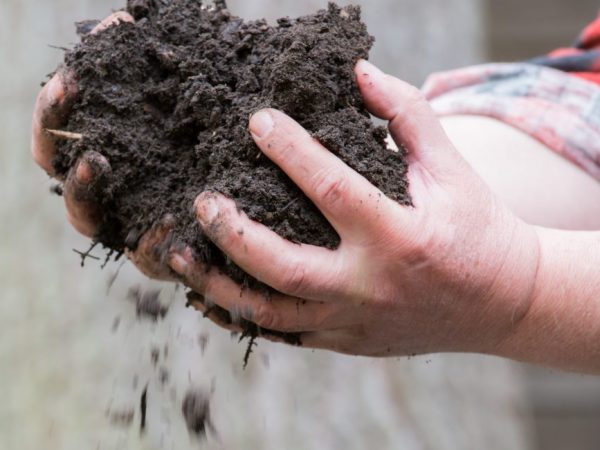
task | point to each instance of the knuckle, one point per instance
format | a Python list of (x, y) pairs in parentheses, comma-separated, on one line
[(284, 149), (114, 19), (293, 278), (331, 188), (265, 316), (414, 95), (123, 16), (423, 245)]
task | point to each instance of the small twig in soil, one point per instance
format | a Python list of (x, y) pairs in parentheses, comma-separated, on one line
[(286, 207), (113, 278), (107, 259), (246, 332), (251, 344), (57, 47), (67, 135), (88, 254)]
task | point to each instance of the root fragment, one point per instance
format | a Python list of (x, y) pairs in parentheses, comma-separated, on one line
[(66, 135)]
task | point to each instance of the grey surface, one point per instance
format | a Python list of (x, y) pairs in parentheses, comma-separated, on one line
[(521, 30), (64, 372)]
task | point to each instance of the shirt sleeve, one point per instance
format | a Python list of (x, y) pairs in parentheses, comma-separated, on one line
[(555, 98)]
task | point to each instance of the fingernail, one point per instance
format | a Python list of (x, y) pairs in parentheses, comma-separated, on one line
[(208, 210), (84, 173), (179, 264), (365, 68), (55, 91), (261, 124)]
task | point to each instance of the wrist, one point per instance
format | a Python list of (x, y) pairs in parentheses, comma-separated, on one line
[(562, 326), (515, 288)]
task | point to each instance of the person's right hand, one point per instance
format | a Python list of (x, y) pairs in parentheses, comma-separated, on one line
[(51, 112)]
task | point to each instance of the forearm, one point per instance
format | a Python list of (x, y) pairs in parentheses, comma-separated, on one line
[(510, 163), (562, 327)]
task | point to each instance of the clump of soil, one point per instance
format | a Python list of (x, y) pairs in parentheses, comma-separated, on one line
[(167, 101)]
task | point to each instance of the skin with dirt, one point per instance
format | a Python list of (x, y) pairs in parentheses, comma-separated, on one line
[(167, 100)]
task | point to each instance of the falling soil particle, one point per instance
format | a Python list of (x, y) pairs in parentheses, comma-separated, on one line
[(122, 418), (203, 342), (143, 409), (196, 411), (154, 356), (147, 304), (115, 325), (163, 375)]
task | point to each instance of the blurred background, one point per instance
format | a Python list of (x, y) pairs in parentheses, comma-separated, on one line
[(75, 359)]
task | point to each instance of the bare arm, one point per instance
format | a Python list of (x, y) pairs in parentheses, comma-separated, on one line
[(562, 327), (538, 185)]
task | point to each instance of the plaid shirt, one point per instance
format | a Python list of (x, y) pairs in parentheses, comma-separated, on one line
[(554, 98)]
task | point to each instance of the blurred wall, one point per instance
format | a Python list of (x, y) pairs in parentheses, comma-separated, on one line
[(73, 357), (520, 30), (413, 38)]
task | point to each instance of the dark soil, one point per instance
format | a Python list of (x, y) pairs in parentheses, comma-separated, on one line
[(167, 101)]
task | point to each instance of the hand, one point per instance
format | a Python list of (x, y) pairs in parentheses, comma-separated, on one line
[(455, 272), (51, 113)]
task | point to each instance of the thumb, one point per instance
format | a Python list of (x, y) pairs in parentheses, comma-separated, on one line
[(412, 122)]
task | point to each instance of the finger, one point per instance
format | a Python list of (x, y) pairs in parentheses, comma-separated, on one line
[(151, 253), (81, 190), (52, 107), (114, 19), (412, 121), (223, 319), (303, 271), (274, 311), (340, 341), (343, 196), (218, 318), (215, 316), (54, 103)]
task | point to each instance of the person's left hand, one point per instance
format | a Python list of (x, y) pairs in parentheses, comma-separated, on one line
[(454, 272), (51, 112)]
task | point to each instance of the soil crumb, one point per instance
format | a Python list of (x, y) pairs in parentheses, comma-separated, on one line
[(203, 339), (196, 411), (143, 409), (147, 304), (122, 418), (164, 375), (154, 356)]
